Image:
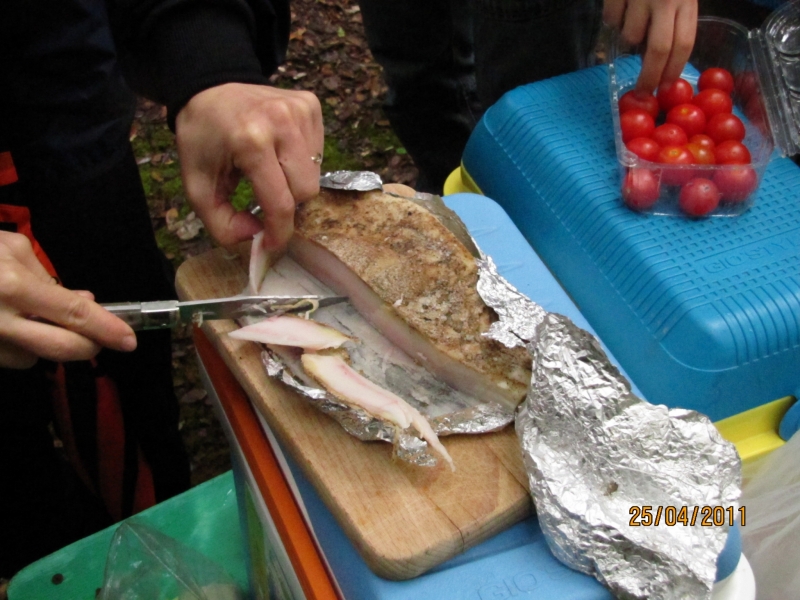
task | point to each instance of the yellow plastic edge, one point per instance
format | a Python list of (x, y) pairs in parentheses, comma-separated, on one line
[(459, 182), (754, 432)]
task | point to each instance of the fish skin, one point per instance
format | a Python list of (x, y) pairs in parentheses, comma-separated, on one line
[(420, 271)]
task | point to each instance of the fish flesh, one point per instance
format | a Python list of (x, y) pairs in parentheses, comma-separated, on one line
[(352, 388), (410, 277), (287, 330)]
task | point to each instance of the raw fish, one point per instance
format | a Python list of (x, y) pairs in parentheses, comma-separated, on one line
[(286, 330), (335, 375)]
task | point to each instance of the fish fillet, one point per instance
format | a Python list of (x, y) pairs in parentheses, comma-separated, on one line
[(415, 282), (286, 330), (341, 380)]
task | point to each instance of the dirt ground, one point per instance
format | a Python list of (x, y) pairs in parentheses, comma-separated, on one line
[(328, 56)]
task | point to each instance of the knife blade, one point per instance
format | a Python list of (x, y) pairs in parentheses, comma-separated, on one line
[(169, 313)]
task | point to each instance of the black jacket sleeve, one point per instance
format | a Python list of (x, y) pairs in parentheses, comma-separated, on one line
[(172, 49)]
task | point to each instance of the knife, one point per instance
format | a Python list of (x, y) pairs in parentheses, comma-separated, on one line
[(169, 313)]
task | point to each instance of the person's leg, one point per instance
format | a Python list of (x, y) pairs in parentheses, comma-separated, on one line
[(521, 41), (425, 49)]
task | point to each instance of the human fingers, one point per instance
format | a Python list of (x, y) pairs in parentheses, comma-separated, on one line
[(683, 40), (274, 196), (36, 339), (659, 46), (23, 295), (209, 190), (613, 13), (18, 248), (300, 141)]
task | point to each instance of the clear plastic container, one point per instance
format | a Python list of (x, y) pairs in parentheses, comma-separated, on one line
[(765, 64)]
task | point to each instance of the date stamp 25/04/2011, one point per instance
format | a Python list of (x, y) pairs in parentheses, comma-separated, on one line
[(705, 516)]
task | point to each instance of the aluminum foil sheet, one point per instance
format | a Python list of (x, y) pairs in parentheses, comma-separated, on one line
[(448, 410), (357, 181), (593, 450)]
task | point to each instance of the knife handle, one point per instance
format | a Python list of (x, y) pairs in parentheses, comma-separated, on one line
[(147, 315)]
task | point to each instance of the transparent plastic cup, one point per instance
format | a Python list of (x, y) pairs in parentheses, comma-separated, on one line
[(765, 64)]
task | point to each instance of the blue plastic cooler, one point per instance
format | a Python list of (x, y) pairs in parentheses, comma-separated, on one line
[(701, 314)]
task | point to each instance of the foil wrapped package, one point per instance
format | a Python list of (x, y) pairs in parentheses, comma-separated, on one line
[(593, 450), (447, 410)]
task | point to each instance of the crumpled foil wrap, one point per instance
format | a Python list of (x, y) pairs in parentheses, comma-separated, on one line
[(356, 181), (593, 450)]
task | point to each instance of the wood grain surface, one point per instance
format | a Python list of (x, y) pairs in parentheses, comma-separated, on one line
[(403, 519)]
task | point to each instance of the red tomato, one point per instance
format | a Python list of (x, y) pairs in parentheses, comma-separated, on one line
[(746, 85), (724, 126), (640, 189), (702, 155), (678, 92), (675, 156), (642, 100), (703, 140), (669, 134), (688, 117), (731, 152), (636, 123), (716, 78), (713, 101), (644, 147), (736, 183), (699, 197)]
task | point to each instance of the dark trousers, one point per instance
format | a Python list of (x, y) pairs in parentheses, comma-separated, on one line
[(99, 237), (446, 61)]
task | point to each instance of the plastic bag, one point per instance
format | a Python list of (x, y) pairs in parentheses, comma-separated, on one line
[(771, 528), (143, 563)]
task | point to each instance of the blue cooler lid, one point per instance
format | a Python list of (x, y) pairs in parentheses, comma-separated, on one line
[(701, 314)]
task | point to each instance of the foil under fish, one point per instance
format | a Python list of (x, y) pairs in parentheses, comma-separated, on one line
[(447, 410), (357, 181), (593, 450)]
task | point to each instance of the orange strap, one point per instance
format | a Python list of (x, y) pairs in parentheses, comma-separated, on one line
[(8, 173), (20, 215)]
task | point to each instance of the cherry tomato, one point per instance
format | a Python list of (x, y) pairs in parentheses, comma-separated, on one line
[(702, 155), (731, 152), (640, 189), (669, 134), (644, 147), (675, 156), (642, 100), (713, 101), (699, 197), (755, 111), (736, 183), (636, 123), (725, 126), (746, 85), (688, 117), (701, 139), (678, 92), (716, 78)]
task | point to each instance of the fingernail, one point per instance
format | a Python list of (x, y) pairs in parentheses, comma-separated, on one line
[(129, 342)]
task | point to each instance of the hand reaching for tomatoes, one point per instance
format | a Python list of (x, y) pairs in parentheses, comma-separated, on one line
[(669, 26)]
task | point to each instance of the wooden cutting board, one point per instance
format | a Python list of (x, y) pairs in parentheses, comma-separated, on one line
[(403, 519)]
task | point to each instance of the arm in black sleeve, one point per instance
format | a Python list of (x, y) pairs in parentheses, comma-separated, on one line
[(172, 49)]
